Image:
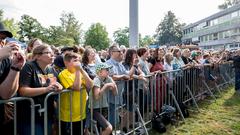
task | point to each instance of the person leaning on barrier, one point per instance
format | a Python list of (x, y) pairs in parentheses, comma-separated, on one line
[(102, 83), (119, 74), (76, 79), (37, 79), (11, 62), (131, 87), (236, 65)]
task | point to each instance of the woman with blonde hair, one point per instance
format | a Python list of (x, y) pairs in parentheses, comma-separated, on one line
[(37, 79)]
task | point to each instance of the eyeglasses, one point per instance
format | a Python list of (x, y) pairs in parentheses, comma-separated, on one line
[(47, 53), (116, 51)]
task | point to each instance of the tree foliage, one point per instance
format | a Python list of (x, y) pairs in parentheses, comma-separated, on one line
[(146, 40), (30, 28), (68, 33), (10, 24), (70, 28), (169, 31), (97, 37), (121, 36), (228, 3)]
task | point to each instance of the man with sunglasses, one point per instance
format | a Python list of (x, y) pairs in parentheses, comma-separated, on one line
[(11, 62)]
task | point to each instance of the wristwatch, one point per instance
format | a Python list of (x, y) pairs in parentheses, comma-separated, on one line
[(15, 68)]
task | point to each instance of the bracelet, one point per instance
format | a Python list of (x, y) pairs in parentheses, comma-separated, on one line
[(15, 68)]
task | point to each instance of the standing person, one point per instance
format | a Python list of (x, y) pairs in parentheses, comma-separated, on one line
[(11, 62), (236, 65), (156, 66), (102, 83), (32, 43), (131, 87), (58, 63), (37, 79), (143, 86), (88, 62), (119, 74), (77, 80)]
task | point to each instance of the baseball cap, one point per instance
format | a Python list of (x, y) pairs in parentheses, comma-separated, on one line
[(101, 66)]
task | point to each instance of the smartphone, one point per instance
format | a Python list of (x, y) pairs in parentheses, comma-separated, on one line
[(21, 44)]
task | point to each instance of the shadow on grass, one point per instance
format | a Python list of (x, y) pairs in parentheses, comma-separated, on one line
[(234, 100)]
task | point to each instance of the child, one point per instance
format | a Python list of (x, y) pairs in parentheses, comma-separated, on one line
[(73, 104), (102, 83)]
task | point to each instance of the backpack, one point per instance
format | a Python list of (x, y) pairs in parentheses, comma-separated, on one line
[(157, 123), (168, 115), (184, 109)]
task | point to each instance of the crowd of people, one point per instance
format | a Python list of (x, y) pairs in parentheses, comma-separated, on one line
[(97, 80)]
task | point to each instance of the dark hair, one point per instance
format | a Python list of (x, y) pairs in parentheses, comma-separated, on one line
[(70, 55), (141, 51), (155, 55), (175, 51), (85, 59), (111, 48), (30, 44), (129, 56), (67, 48)]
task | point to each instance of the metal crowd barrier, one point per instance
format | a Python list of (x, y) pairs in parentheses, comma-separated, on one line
[(168, 88), (141, 98), (14, 100)]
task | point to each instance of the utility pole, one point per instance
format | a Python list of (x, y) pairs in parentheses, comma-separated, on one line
[(133, 24)]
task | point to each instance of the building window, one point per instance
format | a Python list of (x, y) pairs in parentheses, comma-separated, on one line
[(234, 31), (220, 35), (210, 37), (226, 34), (205, 38), (201, 39), (234, 14), (215, 36)]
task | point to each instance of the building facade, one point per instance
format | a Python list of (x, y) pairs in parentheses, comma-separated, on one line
[(221, 30)]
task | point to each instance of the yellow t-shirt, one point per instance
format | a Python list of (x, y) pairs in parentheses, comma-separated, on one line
[(79, 98)]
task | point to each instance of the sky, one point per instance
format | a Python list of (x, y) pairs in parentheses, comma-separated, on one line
[(113, 14)]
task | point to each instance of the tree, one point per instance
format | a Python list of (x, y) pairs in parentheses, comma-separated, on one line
[(12, 26), (121, 36), (228, 3), (71, 28), (169, 31), (30, 28), (146, 40), (97, 37), (1, 15)]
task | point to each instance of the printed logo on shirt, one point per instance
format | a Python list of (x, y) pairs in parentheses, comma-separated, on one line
[(46, 80)]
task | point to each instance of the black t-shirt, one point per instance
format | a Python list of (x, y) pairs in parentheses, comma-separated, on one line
[(236, 62), (5, 65), (33, 76), (186, 60)]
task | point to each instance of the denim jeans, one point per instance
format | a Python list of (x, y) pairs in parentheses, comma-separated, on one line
[(113, 114), (24, 127)]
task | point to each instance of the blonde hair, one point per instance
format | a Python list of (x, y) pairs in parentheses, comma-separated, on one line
[(167, 57)]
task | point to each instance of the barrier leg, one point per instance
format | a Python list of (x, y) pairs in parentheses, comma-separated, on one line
[(209, 90), (218, 90), (141, 119), (177, 105), (193, 98)]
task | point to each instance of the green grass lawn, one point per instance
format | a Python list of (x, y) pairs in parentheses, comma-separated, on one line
[(215, 118)]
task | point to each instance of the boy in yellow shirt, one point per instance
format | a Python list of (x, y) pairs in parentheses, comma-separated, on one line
[(73, 104)]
